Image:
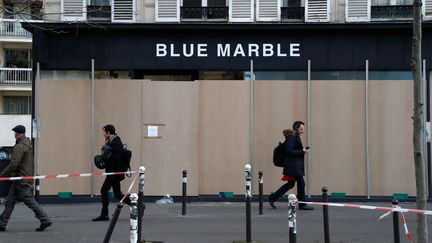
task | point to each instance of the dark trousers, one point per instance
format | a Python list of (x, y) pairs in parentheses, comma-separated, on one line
[(289, 185), (111, 181), (21, 191)]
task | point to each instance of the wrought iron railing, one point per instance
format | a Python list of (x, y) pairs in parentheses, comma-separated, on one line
[(12, 28), (204, 13), (292, 13), (16, 77), (392, 12)]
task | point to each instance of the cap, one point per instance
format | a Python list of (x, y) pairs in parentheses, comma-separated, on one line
[(19, 129)]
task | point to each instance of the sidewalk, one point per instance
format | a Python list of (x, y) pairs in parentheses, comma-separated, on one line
[(205, 222)]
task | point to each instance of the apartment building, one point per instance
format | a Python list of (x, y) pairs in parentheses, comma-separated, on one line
[(16, 65), (222, 79)]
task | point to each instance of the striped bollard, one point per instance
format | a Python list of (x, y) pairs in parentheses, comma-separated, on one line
[(133, 218), (248, 203), (140, 200), (292, 224)]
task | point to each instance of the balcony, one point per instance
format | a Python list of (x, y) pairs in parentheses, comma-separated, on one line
[(12, 28), (16, 77), (204, 13), (393, 12), (292, 13)]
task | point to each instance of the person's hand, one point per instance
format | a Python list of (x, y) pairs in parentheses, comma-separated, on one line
[(305, 151)]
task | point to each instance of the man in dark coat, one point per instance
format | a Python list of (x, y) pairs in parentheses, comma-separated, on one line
[(112, 155), (293, 170), (22, 164)]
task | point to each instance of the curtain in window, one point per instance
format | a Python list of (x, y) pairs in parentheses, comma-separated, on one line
[(16, 104), (380, 2)]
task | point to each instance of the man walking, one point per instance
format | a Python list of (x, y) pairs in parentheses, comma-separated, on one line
[(293, 170), (113, 157), (22, 164)]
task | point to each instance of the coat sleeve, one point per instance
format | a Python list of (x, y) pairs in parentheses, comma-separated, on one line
[(17, 156), (290, 146)]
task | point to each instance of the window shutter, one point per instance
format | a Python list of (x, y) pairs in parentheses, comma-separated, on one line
[(268, 10), (357, 10), (167, 11), (123, 11), (73, 10), (317, 11), (241, 10), (427, 9)]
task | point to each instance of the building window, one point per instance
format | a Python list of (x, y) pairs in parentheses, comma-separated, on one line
[(17, 58), (391, 2), (17, 105)]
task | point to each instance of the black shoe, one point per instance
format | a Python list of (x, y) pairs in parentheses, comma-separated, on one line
[(2, 228), (306, 207), (272, 204), (101, 218), (43, 226)]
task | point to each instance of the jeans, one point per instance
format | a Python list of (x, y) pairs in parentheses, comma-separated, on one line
[(21, 191)]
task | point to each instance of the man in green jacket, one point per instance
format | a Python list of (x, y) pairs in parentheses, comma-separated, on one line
[(22, 164)]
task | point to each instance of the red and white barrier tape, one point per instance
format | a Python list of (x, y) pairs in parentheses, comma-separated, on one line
[(399, 209), (63, 176), (130, 188), (407, 233)]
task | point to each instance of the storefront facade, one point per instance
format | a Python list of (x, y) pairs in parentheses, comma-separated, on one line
[(350, 83)]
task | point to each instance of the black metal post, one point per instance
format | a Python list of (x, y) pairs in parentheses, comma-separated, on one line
[(292, 224), (248, 203), (184, 192), (113, 223), (140, 200), (261, 189), (396, 223), (325, 215)]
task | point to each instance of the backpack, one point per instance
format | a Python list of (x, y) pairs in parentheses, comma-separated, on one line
[(278, 155), (127, 156)]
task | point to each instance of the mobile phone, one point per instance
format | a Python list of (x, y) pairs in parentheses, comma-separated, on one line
[(307, 147)]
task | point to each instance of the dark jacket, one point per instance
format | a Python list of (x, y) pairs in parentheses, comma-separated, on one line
[(294, 156), (115, 162), (22, 163)]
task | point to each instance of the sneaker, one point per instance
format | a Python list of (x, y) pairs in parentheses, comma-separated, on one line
[(306, 207), (43, 226), (101, 218)]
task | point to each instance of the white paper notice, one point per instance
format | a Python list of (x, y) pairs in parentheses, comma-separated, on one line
[(152, 131)]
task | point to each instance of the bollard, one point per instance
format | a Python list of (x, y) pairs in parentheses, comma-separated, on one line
[(133, 218), (248, 203), (261, 189), (113, 222), (184, 192), (140, 200), (292, 224), (396, 223), (325, 215)]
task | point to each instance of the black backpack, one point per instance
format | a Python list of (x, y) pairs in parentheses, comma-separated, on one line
[(127, 156), (278, 155)]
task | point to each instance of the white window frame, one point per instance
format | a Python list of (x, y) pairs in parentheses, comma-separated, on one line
[(133, 20), (249, 19)]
